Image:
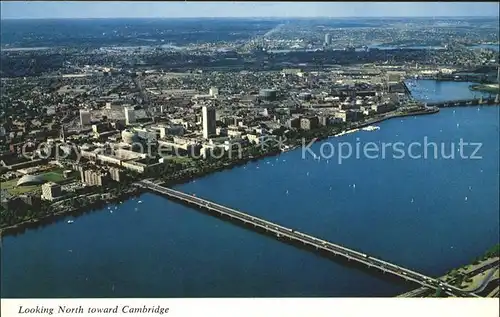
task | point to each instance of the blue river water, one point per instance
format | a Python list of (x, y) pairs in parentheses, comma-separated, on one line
[(430, 215)]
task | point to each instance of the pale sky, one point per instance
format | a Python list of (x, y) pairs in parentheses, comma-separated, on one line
[(142, 9)]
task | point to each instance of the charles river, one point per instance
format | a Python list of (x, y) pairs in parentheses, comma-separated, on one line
[(430, 215)]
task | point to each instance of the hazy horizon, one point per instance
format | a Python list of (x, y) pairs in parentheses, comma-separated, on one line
[(17, 10)]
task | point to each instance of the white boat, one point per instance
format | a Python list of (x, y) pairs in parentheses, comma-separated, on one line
[(70, 221), (371, 128), (139, 202)]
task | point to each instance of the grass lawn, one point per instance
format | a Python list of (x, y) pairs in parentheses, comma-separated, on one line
[(10, 186)]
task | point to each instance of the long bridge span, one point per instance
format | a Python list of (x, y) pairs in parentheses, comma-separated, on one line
[(465, 102), (319, 244)]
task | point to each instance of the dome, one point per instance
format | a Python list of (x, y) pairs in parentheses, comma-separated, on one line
[(28, 180), (129, 137)]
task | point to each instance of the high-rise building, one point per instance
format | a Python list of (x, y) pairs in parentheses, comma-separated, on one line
[(209, 122), (328, 39), (129, 116), (84, 117)]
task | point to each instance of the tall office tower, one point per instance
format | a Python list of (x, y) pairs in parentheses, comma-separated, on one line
[(129, 116), (209, 126), (328, 39), (84, 117)]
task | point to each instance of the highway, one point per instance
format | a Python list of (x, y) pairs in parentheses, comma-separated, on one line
[(422, 290), (283, 232)]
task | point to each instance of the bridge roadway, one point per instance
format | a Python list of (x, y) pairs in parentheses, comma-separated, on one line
[(464, 102), (335, 249)]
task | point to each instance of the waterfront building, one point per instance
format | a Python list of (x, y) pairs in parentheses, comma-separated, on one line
[(85, 117), (116, 174), (347, 115), (309, 123), (209, 122), (94, 178), (51, 191)]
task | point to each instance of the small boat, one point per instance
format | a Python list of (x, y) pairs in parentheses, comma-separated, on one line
[(287, 191), (371, 128), (412, 200), (70, 221), (139, 202), (465, 198), (116, 207)]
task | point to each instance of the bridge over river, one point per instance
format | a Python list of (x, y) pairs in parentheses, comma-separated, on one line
[(465, 102), (299, 237)]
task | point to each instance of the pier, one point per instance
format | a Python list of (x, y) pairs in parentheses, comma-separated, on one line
[(282, 232)]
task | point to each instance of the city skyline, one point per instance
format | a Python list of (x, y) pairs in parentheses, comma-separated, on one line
[(82, 10)]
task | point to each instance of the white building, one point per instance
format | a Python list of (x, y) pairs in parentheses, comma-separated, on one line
[(214, 92), (328, 39), (84, 117), (51, 190), (129, 116), (209, 122)]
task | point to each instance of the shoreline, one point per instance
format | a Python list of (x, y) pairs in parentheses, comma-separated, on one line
[(52, 218)]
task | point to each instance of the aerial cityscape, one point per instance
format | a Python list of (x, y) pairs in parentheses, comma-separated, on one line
[(249, 153)]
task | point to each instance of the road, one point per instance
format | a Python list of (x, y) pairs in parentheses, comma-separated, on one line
[(422, 290)]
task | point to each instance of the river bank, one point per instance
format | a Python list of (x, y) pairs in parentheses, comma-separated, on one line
[(139, 249), (491, 88), (48, 219), (185, 177)]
